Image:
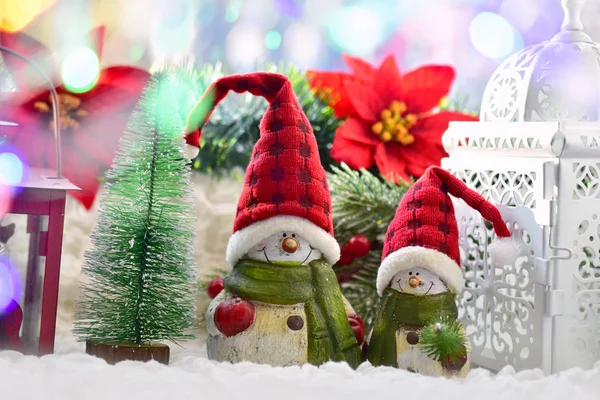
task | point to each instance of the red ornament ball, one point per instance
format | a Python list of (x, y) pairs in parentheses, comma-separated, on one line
[(215, 287), (346, 257), (359, 245), (234, 316)]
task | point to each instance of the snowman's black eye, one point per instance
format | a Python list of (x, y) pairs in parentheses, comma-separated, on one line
[(417, 274), (293, 235), (410, 273), (285, 235)]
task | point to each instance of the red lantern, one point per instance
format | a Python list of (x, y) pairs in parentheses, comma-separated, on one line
[(29, 280)]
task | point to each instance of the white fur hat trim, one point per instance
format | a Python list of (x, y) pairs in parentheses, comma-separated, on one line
[(243, 240), (414, 257)]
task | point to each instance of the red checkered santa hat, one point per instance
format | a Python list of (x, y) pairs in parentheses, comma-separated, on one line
[(285, 186), (424, 232)]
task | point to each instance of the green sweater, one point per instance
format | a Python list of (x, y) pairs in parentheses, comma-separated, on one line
[(330, 336)]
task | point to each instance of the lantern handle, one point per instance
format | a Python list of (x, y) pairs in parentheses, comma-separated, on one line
[(55, 110)]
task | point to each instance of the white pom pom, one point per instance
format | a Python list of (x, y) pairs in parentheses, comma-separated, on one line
[(504, 251), (192, 151)]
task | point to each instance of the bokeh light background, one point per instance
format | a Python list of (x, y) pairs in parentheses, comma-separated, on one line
[(472, 35)]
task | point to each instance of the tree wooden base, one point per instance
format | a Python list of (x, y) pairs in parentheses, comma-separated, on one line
[(112, 353)]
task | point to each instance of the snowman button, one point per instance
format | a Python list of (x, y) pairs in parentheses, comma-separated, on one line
[(295, 322), (412, 338)]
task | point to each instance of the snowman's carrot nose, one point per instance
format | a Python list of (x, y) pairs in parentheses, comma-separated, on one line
[(414, 282), (289, 245)]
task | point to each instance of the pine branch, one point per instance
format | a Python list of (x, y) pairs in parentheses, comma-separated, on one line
[(140, 270), (357, 282), (362, 203)]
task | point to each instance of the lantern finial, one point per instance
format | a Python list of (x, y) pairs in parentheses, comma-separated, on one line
[(572, 10), (572, 27)]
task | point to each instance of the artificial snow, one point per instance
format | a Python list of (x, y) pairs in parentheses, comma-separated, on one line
[(71, 374)]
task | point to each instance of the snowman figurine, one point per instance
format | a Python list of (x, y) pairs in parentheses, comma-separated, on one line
[(281, 303), (282, 306), (414, 298), (420, 276)]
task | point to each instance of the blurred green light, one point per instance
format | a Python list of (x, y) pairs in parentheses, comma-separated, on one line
[(232, 13), (273, 40), (357, 29), (80, 70)]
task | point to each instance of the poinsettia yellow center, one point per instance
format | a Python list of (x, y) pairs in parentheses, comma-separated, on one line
[(69, 107), (395, 124)]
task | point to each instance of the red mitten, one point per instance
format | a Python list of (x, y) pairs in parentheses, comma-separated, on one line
[(358, 326), (234, 316)]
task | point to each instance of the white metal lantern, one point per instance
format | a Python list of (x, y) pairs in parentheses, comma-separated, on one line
[(536, 154)]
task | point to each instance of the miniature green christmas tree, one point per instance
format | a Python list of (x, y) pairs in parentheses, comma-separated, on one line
[(140, 270)]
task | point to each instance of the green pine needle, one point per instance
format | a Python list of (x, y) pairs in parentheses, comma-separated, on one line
[(141, 281), (443, 339), (357, 282), (362, 203)]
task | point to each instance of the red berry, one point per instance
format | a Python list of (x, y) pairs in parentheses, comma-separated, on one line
[(346, 257), (215, 287), (234, 316), (358, 326), (359, 245)]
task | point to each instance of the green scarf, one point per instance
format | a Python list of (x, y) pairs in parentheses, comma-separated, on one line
[(399, 310), (330, 336)]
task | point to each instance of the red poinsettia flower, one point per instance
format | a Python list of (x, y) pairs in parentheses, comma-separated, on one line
[(331, 85), (390, 119), (91, 122)]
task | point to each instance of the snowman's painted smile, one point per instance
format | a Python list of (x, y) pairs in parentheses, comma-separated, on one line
[(418, 281), (309, 253), (264, 251), (421, 284), (284, 248), (430, 286)]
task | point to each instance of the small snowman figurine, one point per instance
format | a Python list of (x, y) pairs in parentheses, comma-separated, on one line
[(417, 327), (281, 303)]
